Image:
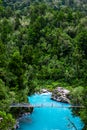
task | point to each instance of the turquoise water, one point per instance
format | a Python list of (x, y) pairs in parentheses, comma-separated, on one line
[(49, 118)]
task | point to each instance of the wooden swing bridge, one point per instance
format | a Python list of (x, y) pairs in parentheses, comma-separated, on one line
[(27, 105)]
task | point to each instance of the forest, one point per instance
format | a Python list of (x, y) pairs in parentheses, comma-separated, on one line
[(43, 43)]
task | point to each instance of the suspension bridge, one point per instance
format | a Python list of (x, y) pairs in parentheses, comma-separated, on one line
[(27, 105)]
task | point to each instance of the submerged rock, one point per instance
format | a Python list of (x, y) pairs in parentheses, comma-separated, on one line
[(61, 95)]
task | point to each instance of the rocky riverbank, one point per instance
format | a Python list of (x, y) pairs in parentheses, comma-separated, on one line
[(61, 95), (20, 114), (22, 118)]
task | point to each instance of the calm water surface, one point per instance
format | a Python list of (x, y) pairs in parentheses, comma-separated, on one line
[(49, 118)]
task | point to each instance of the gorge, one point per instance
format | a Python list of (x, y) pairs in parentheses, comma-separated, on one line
[(49, 118)]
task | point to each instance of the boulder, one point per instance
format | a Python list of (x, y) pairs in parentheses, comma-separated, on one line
[(43, 91), (61, 95)]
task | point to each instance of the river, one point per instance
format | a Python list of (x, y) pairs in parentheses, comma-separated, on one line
[(49, 118)]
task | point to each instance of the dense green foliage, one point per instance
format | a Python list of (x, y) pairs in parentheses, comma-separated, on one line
[(6, 122), (43, 44)]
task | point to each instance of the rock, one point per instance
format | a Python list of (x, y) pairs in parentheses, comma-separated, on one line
[(1, 119), (61, 95), (44, 91), (16, 125)]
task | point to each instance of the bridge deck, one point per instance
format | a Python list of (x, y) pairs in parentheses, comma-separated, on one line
[(43, 105)]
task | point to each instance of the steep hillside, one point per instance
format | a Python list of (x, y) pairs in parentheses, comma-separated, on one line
[(42, 44)]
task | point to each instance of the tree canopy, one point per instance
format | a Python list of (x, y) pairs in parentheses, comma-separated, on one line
[(42, 43)]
